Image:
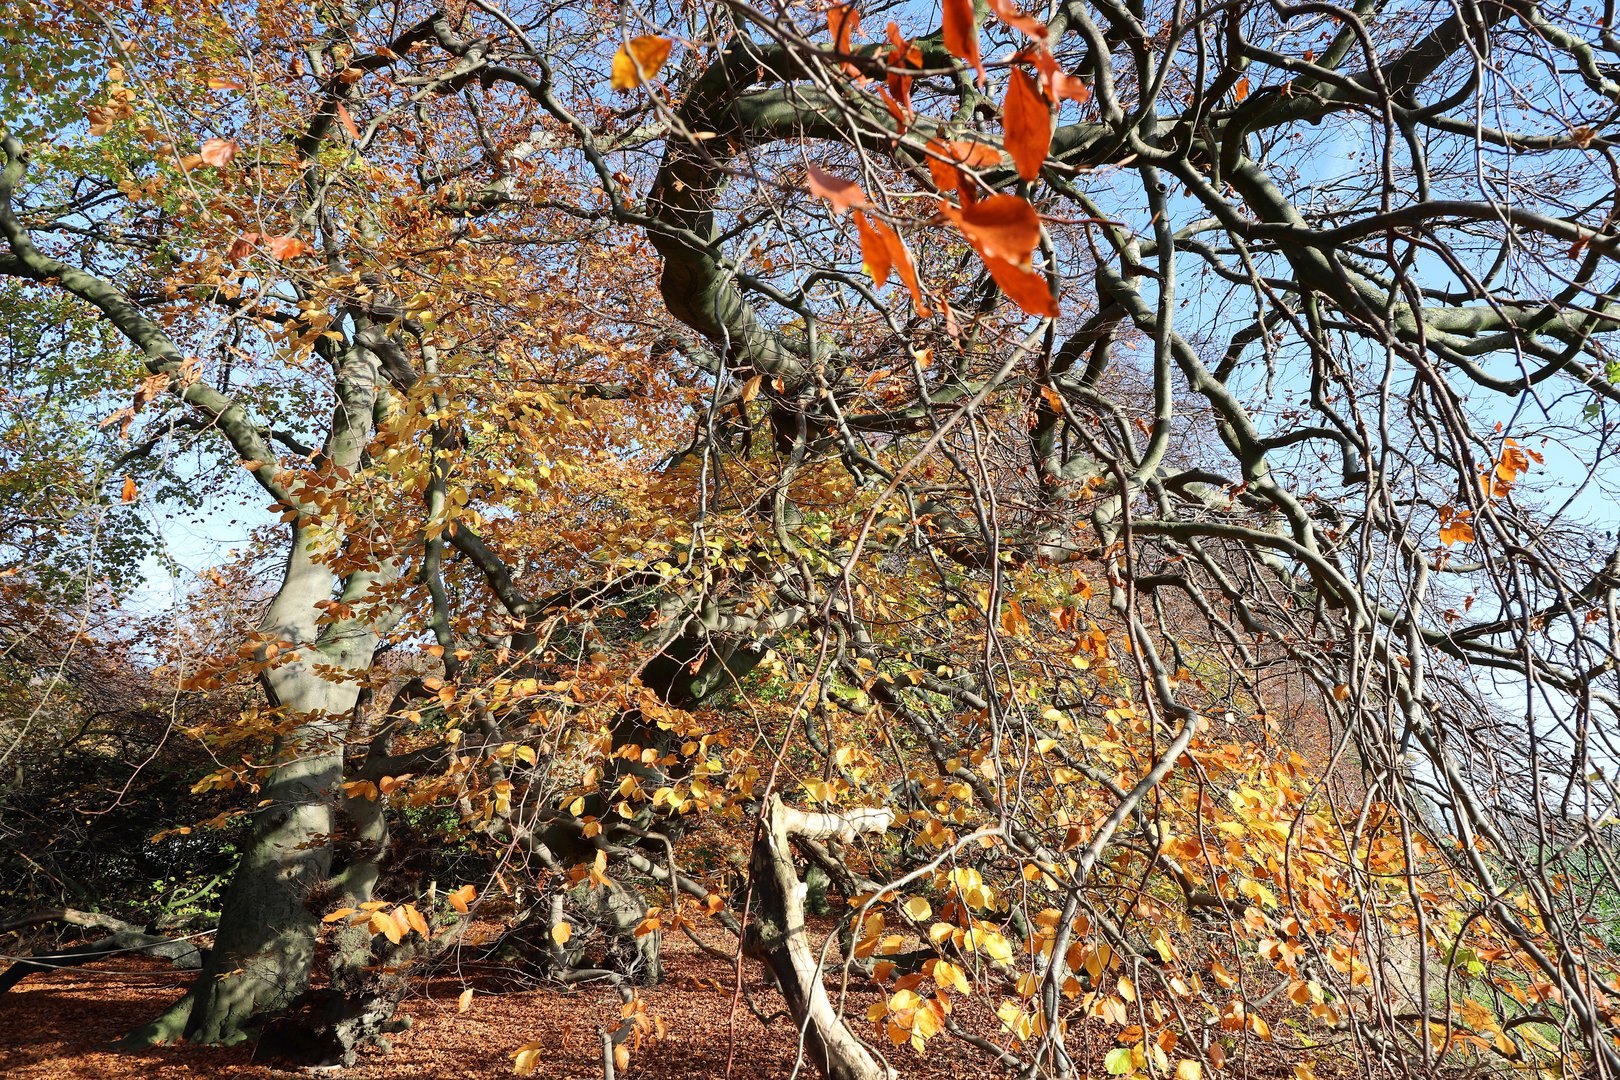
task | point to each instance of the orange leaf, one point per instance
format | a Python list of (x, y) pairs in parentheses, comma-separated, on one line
[(462, 897), (639, 60), (464, 1002), (1241, 90), (242, 247), (1458, 532), (282, 248), (1028, 125), (1024, 287), (348, 122), (875, 259), (218, 152), (962, 35), (128, 494), (843, 21), (1000, 227), (1057, 84), (840, 194), (947, 173), (1008, 13), (219, 83), (899, 256), (903, 55), (340, 913)]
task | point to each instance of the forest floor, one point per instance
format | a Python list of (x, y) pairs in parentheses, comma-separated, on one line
[(62, 1024)]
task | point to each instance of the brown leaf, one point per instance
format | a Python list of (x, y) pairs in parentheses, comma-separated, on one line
[(639, 60), (961, 34), (218, 152), (840, 194), (1027, 123)]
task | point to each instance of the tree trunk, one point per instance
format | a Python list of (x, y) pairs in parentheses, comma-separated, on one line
[(776, 935), (269, 921)]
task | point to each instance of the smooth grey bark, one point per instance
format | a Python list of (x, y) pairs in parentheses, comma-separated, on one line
[(265, 946), (776, 936)]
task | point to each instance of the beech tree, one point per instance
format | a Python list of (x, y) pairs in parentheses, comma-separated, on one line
[(1117, 490)]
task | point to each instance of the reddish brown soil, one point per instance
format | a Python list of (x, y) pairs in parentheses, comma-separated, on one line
[(60, 1025)]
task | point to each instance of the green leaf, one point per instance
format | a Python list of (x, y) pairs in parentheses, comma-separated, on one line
[(1118, 1061)]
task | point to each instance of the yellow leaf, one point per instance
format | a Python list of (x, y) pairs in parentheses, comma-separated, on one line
[(1188, 1069), (464, 1002), (561, 933), (415, 920), (639, 60), (916, 908), (384, 925), (525, 1058)]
